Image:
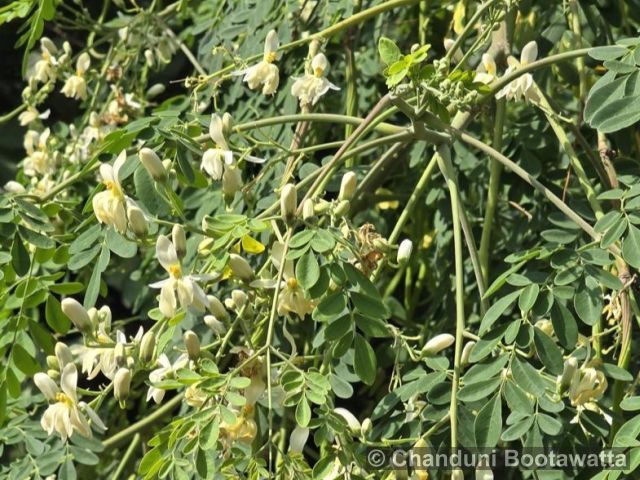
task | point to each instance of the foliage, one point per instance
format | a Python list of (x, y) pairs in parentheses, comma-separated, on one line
[(261, 238)]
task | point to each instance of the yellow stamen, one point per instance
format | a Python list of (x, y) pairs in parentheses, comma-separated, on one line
[(270, 57), (63, 398), (292, 283), (175, 271), (109, 184), (318, 71)]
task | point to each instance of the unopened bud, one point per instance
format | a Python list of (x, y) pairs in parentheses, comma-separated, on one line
[(77, 314), (240, 267), (288, 202), (366, 426), (63, 355), (155, 90), (147, 346), (352, 421), (239, 298), (192, 344), (204, 247), (137, 221), (14, 187), (314, 48), (348, 186), (215, 325), (153, 164), (466, 352), (216, 307), (54, 374), (119, 354), (569, 370), (342, 208), (438, 343), (179, 240), (404, 251), (227, 123), (148, 56), (308, 211), (52, 362), (121, 385)]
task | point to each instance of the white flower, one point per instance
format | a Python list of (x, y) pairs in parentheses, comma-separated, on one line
[(39, 161), (264, 73), (523, 86), (76, 85), (110, 204), (486, 71), (65, 414), (311, 87), (219, 162), (44, 69), (291, 298), (190, 294), (102, 359), (31, 114), (166, 370)]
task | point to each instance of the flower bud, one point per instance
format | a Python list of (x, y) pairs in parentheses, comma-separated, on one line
[(204, 247), (239, 298), (147, 346), (14, 187), (288, 202), (77, 314), (484, 473), (352, 421), (192, 344), (215, 325), (153, 164), (63, 355), (308, 210), (404, 251), (569, 370), (121, 384), (137, 221), (457, 474), (119, 354), (342, 208), (347, 186), (216, 307), (366, 426), (466, 352), (437, 344), (240, 267), (298, 438), (55, 374), (148, 56), (314, 48), (52, 362), (227, 124), (179, 240), (155, 90)]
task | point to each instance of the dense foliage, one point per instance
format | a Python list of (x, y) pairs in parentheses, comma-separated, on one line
[(262, 238)]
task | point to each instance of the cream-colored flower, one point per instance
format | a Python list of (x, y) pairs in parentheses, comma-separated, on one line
[(265, 72), (44, 69), (76, 85), (165, 370), (109, 205), (31, 114), (523, 86), (190, 294), (310, 87), (65, 415), (587, 385), (487, 70), (39, 160)]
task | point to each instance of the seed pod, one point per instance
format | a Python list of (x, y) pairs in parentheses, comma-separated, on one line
[(308, 210), (437, 344), (152, 164), (466, 352), (121, 385), (192, 344), (77, 314), (137, 221), (569, 370), (404, 251), (348, 186), (147, 346), (216, 307), (288, 202), (240, 267), (179, 240)]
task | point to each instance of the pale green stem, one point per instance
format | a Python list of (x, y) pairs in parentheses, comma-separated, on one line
[(467, 28), (446, 167), (127, 456)]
